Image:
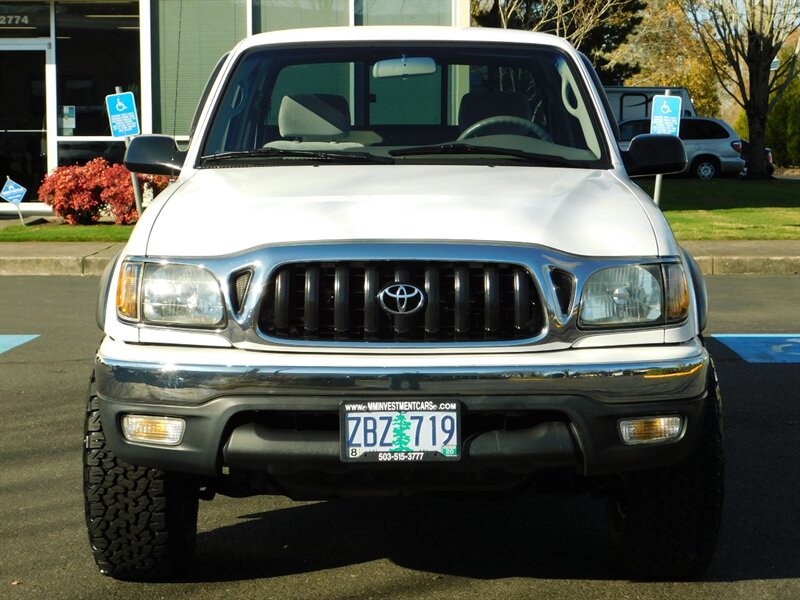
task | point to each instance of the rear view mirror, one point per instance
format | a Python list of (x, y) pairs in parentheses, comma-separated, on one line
[(404, 67), (654, 154)]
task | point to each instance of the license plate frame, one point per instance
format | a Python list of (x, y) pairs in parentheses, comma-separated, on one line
[(416, 436)]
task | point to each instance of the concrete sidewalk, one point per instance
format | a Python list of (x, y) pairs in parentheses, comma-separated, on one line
[(90, 258)]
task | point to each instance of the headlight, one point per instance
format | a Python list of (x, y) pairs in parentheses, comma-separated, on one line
[(635, 295), (182, 295)]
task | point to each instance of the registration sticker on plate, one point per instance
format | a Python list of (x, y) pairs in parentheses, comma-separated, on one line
[(400, 431)]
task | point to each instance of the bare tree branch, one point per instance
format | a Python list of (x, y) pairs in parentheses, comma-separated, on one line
[(570, 19), (749, 34)]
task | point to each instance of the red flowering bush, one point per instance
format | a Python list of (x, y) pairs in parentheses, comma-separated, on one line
[(71, 193), (80, 194)]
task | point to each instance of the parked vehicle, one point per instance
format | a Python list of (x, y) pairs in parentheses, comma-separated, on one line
[(712, 146), (403, 261), (634, 102), (746, 157)]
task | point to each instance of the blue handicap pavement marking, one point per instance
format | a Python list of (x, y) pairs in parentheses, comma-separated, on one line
[(12, 191), (7, 342), (764, 348)]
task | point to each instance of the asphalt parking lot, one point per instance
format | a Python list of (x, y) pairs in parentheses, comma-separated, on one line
[(270, 547)]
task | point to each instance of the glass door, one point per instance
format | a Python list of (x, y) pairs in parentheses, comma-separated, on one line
[(23, 125)]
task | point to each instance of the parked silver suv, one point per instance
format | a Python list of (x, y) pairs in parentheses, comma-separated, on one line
[(712, 146)]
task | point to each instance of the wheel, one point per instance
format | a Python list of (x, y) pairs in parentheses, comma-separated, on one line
[(142, 522), (705, 168), (664, 522), (505, 123)]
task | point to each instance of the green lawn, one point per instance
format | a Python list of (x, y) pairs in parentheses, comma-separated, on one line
[(721, 209), (58, 232), (730, 209)]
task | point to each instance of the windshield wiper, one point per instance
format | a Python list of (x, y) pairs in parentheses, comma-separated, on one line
[(459, 148), (323, 155)]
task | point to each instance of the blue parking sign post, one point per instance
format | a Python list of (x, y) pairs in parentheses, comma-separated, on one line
[(14, 193), (122, 117), (665, 116), (665, 119), (124, 122)]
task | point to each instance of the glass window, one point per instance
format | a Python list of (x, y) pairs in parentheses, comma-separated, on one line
[(71, 153), (271, 15), (690, 130), (23, 145), (328, 78), (383, 99), (24, 19), (633, 105), (712, 131), (399, 100), (404, 12), (630, 129), (188, 40), (97, 48)]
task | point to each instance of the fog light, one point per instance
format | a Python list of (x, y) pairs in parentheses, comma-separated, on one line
[(167, 431), (650, 430)]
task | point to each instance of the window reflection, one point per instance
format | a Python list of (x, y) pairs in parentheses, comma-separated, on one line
[(97, 45), (24, 19), (82, 152)]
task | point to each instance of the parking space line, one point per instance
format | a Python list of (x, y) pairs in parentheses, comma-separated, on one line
[(7, 342), (763, 348)]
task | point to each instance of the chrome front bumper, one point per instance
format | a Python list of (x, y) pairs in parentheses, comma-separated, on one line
[(227, 397), (162, 375)]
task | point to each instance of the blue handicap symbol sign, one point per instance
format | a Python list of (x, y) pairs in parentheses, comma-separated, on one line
[(665, 117), (122, 115), (13, 192)]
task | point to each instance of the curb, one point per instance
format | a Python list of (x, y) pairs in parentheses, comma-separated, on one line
[(749, 265), (76, 258)]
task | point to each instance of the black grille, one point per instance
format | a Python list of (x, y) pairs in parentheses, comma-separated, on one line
[(240, 283), (465, 302)]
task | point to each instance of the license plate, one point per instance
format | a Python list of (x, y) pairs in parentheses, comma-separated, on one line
[(400, 431)]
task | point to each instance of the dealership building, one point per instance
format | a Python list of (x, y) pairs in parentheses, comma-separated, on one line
[(60, 58)]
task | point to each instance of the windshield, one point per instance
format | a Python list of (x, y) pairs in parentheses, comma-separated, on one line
[(410, 103)]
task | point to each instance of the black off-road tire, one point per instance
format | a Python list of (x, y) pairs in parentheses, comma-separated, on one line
[(142, 522), (664, 522)]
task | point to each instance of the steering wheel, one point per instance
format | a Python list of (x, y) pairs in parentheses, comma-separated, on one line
[(524, 126)]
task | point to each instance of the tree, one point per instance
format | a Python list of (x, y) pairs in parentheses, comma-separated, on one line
[(741, 38), (670, 55), (783, 125), (596, 28)]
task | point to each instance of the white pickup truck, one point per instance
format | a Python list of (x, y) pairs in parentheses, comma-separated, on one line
[(407, 261)]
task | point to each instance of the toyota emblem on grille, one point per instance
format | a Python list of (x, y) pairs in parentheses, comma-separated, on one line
[(401, 298)]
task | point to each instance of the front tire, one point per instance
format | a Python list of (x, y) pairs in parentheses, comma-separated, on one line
[(706, 168), (142, 522), (664, 522)]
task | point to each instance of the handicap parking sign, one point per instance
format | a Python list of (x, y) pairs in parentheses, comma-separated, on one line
[(122, 116), (665, 118), (13, 192)]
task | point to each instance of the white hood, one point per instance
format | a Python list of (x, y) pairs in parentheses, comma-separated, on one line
[(223, 211)]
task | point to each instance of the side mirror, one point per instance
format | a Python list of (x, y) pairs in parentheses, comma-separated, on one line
[(654, 154), (154, 155)]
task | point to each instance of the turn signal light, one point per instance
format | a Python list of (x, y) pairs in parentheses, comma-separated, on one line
[(650, 430), (166, 431), (128, 291)]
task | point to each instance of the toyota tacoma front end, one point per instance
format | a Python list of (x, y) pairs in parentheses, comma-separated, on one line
[(403, 261)]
